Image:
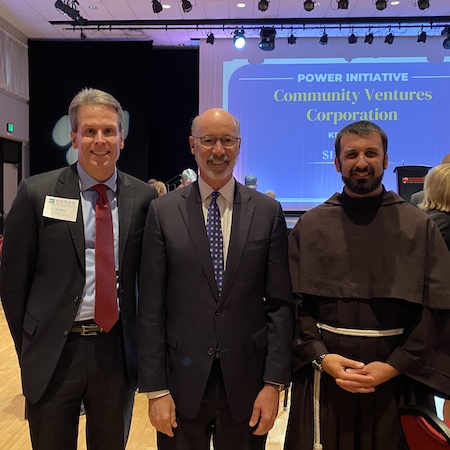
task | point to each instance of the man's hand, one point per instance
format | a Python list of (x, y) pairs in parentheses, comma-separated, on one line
[(265, 409), (348, 373), (161, 412)]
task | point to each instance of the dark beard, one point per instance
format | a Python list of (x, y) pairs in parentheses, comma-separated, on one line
[(362, 187)]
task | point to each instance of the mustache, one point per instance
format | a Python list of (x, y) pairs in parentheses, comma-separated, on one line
[(369, 170), (222, 158)]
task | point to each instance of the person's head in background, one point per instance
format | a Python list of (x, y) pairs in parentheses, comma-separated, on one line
[(159, 186), (188, 176), (446, 159), (251, 181), (96, 131), (270, 193), (436, 189)]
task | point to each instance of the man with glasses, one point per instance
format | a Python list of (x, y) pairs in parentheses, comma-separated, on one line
[(215, 307)]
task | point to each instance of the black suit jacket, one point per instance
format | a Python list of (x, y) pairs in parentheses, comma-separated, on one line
[(43, 271), (182, 320)]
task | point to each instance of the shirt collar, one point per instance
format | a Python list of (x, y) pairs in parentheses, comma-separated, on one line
[(87, 182), (226, 191)]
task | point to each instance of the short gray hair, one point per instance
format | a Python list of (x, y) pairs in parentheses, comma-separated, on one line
[(90, 96)]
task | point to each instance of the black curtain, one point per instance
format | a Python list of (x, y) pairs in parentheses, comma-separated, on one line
[(158, 88)]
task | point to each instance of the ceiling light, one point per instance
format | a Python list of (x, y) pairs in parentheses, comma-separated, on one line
[(342, 4), (68, 8), (239, 38), (210, 38), (324, 39), (352, 39), (267, 35), (423, 4), (422, 37), (157, 7), (263, 5), (381, 4), (186, 5), (389, 39), (292, 39), (369, 38), (308, 5)]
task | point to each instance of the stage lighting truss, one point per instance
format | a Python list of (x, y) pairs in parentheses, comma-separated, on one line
[(267, 35), (263, 5), (308, 5), (239, 38), (69, 8), (186, 5), (156, 6), (342, 4), (381, 4)]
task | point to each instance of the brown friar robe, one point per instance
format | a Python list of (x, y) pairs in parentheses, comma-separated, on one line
[(369, 263)]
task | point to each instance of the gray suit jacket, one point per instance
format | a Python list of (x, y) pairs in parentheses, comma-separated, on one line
[(416, 198), (43, 272), (182, 319)]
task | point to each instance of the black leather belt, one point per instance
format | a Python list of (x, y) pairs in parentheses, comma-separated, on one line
[(91, 329)]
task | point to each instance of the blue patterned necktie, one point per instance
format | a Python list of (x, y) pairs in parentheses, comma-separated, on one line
[(214, 232)]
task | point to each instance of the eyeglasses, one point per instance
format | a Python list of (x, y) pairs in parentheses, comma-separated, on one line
[(209, 142)]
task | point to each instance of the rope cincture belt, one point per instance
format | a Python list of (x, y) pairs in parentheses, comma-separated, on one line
[(317, 375)]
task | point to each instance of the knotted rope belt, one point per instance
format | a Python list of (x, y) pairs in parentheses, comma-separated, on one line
[(317, 374)]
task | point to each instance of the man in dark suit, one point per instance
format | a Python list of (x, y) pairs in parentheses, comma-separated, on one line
[(214, 347), (49, 289)]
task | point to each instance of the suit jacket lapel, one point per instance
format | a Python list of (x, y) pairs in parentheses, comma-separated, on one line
[(191, 211), (125, 203), (243, 210), (68, 186)]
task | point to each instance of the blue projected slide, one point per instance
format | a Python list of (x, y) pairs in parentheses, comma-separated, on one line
[(291, 110)]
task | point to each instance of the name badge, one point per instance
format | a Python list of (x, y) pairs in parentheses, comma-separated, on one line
[(61, 208)]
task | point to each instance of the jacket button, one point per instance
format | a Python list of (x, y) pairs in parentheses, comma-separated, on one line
[(66, 333), (218, 313), (76, 300), (211, 351)]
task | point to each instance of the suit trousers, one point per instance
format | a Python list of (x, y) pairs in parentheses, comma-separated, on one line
[(91, 369), (214, 423)]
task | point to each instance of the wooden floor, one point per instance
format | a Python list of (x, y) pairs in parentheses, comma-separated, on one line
[(14, 433)]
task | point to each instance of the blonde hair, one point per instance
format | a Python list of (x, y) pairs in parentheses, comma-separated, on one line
[(437, 189)]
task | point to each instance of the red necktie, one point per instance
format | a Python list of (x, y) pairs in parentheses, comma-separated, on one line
[(106, 312)]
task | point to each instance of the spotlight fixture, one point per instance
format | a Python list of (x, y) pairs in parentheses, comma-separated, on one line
[(68, 7), (352, 39), (422, 37), (267, 35), (423, 4), (381, 4), (239, 38), (389, 39), (369, 38), (308, 5), (323, 39), (342, 4), (157, 7), (210, 38), (263, 5), (292, 39), (446, 43), (186, 5)]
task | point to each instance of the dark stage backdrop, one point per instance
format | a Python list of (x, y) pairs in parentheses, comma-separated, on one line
[(158, 89)]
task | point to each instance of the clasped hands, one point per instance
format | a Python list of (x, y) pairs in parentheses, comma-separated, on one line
[(355, 376)]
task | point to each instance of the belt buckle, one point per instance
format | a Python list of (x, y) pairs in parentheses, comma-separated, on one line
[(90, 330)]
